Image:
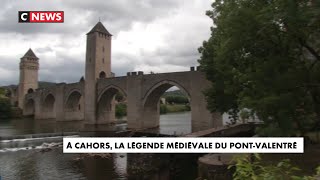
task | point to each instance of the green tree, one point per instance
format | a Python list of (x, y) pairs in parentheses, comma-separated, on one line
[(251, 167), (264, 56), (177, 99), (121, 110), (5, 107)]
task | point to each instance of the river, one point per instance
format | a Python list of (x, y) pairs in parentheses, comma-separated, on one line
[(40, 163)]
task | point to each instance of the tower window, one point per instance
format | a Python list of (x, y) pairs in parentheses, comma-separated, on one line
[(30, 90), (103, 60), (103, 49), (102, 74)]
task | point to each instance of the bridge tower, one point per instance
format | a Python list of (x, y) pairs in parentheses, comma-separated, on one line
[(29, 66), (98, 65)]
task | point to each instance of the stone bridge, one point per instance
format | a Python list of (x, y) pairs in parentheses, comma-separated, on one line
[(65, 102)]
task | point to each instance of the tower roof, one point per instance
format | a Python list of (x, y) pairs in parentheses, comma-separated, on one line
[(30, 54), (99, 28)]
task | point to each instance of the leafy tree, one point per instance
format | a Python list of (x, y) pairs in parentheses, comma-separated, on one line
[(264, 56), (251, 167), (177, 99), (2, 92)]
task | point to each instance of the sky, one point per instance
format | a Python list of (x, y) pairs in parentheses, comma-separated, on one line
[(148, 35)]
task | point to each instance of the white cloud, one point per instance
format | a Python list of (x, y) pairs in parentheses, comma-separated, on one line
[(159, 36)]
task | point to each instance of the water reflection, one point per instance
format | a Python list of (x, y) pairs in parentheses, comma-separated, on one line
[(120, 162), (53, 164), (173, 123)]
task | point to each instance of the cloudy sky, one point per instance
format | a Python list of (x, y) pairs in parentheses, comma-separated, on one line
[(148, 35)]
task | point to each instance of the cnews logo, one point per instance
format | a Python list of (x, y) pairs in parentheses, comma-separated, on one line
[(41, 16)]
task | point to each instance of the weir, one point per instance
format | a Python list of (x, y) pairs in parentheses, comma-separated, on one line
[(32, 141)]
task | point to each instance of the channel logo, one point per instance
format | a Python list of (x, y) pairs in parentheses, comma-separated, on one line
[(41, 16)]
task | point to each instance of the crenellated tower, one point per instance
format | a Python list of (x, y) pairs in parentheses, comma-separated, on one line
[(29, 67), (98, 65), (98, 53)]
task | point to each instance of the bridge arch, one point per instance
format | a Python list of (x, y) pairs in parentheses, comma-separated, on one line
[(151, 103), (74, 106), (157, 90), (48, 107), (110, 87), (73, 99), (106, 104), (48, 103)]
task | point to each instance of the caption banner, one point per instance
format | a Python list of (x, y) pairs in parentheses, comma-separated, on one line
[(182, 145)]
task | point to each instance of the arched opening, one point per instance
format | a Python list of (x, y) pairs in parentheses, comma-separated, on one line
[(49, 107), (112, 105), (49, 103), (30, 90), (102, 74), (29, 108), (120, 106), (74, 106), (167, 105)]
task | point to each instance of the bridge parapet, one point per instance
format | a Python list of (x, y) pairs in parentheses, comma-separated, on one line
[(135, 73), (195, 68)]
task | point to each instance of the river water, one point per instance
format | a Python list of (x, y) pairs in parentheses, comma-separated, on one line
[(40, 162)]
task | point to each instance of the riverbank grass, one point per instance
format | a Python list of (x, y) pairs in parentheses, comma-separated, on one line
[(173, 108)]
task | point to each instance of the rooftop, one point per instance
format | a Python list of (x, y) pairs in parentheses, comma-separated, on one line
[(99, 28), (30, 54)]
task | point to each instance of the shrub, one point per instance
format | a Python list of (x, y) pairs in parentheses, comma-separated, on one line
[(121, 110), (163, 109), (5, 108), (251, 167), (177, 99)]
